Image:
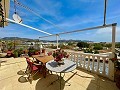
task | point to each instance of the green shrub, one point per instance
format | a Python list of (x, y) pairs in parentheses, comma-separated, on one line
[(15, 53), (98, 47), (87, 50), (96, 52)]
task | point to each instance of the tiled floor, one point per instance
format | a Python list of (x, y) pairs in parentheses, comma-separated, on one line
[(13, 78)]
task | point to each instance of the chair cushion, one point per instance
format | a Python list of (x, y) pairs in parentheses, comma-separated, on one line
[(34, 68)]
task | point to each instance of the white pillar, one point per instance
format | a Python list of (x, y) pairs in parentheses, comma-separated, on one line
[(113, 38), (111, 64), (57, 40)]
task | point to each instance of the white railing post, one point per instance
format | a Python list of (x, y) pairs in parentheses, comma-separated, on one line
[(57, 40), (111, 64)]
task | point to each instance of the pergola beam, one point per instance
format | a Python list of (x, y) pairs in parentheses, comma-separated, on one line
[(91, 28), (28, 26)]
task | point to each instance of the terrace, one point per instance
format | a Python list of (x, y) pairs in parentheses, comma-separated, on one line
[(94, 71), (13, 78)]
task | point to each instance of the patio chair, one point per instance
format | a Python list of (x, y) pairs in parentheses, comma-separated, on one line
[(33, 69)]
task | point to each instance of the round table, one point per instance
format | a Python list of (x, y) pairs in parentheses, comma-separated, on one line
[(66, 67)]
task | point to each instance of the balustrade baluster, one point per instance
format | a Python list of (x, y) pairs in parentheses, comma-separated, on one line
[(80, 60), (84, 61), (93, 62), (74, 57), (69, 55), (88, 67), (77, 60), (98, 64), (103, 72)]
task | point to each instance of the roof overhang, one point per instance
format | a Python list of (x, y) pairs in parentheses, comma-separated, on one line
[(5, 6)]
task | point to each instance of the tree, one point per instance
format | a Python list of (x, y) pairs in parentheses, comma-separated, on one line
[(10, 45), (117, 45), (108, 45), (82, 45), (98, 47)]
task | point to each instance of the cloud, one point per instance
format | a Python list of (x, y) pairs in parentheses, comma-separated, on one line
[(68, 15), (87, 1), (48, 7), (100, 35), (104, 35), (46, 26), (9, 33)]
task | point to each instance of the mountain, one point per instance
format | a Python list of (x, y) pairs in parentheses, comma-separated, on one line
[(30, 40), (15, 38)]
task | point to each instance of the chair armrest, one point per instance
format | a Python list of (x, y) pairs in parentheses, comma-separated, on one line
[(37, 63)]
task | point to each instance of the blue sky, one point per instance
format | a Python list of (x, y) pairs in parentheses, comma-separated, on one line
[(68, 15)]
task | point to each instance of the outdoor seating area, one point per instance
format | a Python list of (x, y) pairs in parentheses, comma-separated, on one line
[(59, 45), (13, 77)]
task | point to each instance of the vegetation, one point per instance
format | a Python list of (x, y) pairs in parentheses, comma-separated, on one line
[(33, 51), (108, 45), (23, 46), (15, 53), (82, 45), (96, 52), (20, 51), (117, 45), (98, 46), (88, 51)]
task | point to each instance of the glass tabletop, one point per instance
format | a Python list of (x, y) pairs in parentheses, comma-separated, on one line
[(66, 67)]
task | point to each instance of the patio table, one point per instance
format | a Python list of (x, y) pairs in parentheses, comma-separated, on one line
[(43, 59), (68, 66)]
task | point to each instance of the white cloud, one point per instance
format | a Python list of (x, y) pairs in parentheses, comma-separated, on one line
[(48, 7), (105, 35), (87, 1)]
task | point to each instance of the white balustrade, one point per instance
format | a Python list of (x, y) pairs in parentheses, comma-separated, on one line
[(95, 63)]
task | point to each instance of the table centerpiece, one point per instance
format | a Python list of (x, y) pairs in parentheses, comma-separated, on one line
[(59, 56)]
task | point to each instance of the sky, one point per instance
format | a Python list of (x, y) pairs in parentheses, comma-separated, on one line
[(67, 15)]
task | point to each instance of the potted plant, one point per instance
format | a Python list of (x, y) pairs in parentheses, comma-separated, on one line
[(59, 56), (9, 53), (20, 51), (31, 51), (117, 69), (15, 53)]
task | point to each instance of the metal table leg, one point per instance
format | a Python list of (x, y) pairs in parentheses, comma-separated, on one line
[(60, 81)]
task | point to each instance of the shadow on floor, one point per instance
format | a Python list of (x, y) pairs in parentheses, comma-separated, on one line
[(21, 72), (46, 83), (97, 82), (24, 77), (84, 72), (2, 61), (101, 83)]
